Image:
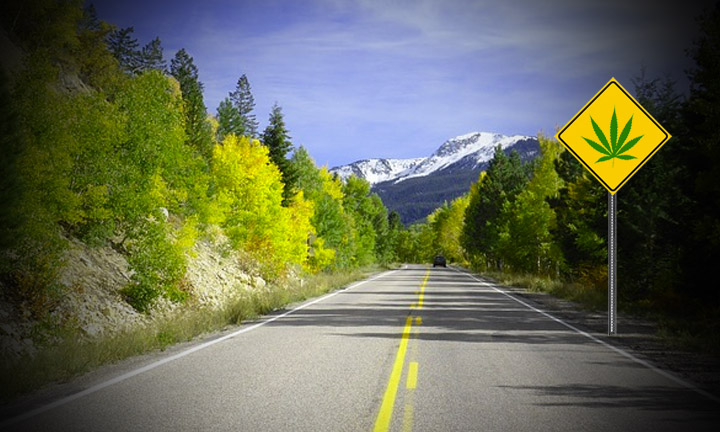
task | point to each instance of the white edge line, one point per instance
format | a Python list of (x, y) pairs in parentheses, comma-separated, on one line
[(151, 366), (622, 352)]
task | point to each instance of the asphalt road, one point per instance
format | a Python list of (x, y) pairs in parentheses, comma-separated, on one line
[(418, 349)]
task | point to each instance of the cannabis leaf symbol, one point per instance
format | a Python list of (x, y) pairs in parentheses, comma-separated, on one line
[(616, 146)]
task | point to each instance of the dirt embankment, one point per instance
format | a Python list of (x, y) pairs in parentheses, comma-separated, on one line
[(90, 304)]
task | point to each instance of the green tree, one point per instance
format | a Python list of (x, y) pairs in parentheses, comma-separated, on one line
[(249, 197), (46, 27), (334, 225), (525, 241), (229, 120), (97, 66), (383, 239), (151, 57), (359, 204), (650, 234), (197, 128), (701, 159), (244, 102), (395, 228), (447, 224), (124, 48), (154, 171), (502, 182), (276, 139)]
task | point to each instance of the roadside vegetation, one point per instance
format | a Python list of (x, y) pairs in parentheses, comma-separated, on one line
[(543, 225), (71, 355), (106, 143)]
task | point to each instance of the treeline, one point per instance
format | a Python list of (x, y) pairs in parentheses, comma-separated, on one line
[(105, 142), (549, 217)]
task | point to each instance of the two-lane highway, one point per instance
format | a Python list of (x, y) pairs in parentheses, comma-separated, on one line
[(418, 349)]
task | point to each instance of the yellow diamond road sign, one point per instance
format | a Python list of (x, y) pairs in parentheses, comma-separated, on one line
[(613, 136)]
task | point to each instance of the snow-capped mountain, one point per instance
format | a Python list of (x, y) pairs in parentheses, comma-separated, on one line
[(466, 151), (377, 170), (416, 187)]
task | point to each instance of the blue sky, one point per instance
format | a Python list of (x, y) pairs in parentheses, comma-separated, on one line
[(368, 78)]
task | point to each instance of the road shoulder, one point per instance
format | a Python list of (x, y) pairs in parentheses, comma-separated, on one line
[(635, 335)]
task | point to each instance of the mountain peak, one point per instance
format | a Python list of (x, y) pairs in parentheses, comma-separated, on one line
[(416, 187), (471, 149)]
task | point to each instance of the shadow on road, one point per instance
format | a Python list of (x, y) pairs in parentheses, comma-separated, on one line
[(455, 308), (650, 398)]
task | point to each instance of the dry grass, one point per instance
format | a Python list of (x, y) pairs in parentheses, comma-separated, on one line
[(590, 296)]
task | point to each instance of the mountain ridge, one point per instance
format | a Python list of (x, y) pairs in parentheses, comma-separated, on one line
[(471, 149), (415, 187)]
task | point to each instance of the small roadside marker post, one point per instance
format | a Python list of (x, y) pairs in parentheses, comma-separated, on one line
[(612, 155)]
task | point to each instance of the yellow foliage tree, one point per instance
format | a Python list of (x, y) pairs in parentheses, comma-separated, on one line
[(248, 204)]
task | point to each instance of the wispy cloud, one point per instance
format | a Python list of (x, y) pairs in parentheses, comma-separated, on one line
[(394, 78)]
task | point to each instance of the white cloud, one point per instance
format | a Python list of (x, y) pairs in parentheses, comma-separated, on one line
[(376, 68)]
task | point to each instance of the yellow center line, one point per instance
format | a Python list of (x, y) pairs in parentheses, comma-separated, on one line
[(382, 423), (421, 297), (408, 418), (412, 376)]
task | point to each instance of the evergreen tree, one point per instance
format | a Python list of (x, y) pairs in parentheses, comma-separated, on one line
[(125, 49), (229, 120), (90, 20), (197, 129), (277, 140), (98, 67), (151, 57), (650, 235), (394, 221), (504, 179), (244, 102), (701, 118)]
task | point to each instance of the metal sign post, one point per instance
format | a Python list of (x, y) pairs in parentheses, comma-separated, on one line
[(612, 264), (612, 136)]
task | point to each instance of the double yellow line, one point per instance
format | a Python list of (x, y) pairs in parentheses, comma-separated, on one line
[(382, 423)]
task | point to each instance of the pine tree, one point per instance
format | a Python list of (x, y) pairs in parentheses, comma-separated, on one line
[(98, 66), (151, 57), (504, 179), (125, 49), (90, 20), (197, 128), (229, 120), (244, 102), (277, 140)]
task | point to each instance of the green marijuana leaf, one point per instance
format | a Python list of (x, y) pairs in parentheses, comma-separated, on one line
[(616, 146)]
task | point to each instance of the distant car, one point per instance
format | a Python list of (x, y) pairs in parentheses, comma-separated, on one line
[(439, 261)]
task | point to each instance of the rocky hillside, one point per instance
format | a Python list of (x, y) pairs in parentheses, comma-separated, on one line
[(92, 279)]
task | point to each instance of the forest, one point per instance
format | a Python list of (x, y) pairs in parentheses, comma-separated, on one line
[(548, 218), (104, 141)]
